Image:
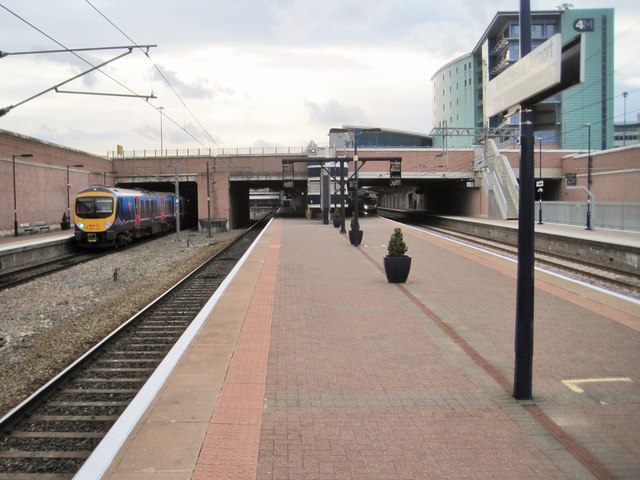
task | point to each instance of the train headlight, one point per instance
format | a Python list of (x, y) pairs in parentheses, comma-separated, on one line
[(80, 225), (107, 225)]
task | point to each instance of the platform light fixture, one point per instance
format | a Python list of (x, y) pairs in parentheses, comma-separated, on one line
[(624, 119), (69, 192), (15, 207), (541, 184), (160, 109), (589, 165)]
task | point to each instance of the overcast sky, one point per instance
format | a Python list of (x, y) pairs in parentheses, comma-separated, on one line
[(249, 72)]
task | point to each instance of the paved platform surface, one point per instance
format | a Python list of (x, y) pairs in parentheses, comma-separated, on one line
[(311, 366), (616, 237), (9, 243)]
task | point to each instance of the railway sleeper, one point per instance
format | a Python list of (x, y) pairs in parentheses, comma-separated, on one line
[(45, 454), (128, 364), (88, 404), (105, 396), (57, 443), (74, 418), (108, 382), (65, 466)]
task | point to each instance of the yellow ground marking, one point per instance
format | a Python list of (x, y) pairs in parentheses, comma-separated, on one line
[(573, 384)]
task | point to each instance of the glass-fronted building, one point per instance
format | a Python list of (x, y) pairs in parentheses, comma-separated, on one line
[(382, 138), (458, 93)]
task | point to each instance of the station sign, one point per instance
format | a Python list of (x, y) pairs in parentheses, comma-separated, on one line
[(395, 173), (545, 71), (287, 174), (571, 179)]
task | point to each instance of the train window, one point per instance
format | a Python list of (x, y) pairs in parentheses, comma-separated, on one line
[(104, 205), (94, 207)]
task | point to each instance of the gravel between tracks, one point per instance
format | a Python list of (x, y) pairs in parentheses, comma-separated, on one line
[(49, 322)]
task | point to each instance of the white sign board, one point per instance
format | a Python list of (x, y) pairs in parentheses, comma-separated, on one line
[(532, 74)]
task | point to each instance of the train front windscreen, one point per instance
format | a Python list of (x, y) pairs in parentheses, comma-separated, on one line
[(94, 207)]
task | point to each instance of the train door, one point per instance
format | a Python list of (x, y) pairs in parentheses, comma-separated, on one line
[(137, 207), (162, 209)]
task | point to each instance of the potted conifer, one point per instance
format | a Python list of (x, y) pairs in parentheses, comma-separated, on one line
[(355, 234), (396, 263), (337, 219)]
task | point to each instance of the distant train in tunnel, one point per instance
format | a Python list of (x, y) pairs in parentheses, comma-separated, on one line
[(367, 199), (367, 202), (112, 216)]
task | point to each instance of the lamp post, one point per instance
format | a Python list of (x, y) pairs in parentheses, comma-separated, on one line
[(69, 192), (624, 119), (541, 184), (15, 208), (589, 164), (160, 109), (355, 132)]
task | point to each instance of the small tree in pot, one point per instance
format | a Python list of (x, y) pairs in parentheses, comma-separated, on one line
[(355, 234), (396, 263), (337, 219)]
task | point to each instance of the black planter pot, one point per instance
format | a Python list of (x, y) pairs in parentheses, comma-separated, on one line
[(397, 268), (337, 222), (355, 237)]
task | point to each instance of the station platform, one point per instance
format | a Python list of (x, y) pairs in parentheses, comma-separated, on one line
[(307, 364), (12, 243), (614, 237)]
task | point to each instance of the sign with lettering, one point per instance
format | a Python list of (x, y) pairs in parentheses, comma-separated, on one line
[(532, 74), (395, 173), (584, 25)]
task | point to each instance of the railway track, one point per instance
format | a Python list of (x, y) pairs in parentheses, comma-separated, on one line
[(23, 275), (612, 279), (8, 280), (53, 432), (584, 269)]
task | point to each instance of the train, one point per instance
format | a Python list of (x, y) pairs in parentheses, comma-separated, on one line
[(112, 216), (367, 202), (367, 199), (315, 182)]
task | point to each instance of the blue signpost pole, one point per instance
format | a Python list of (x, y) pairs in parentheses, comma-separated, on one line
[(523, 367)]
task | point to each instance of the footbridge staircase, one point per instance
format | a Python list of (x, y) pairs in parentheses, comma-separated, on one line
[(500, 180)]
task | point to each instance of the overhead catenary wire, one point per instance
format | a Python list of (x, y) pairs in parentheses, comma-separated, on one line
[(72, 51), (94, 67), (161, 74)]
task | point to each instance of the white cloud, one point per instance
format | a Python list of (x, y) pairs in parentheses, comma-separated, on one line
[(254, 72)]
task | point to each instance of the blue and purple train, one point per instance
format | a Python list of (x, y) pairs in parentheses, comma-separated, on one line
[(111, 216)]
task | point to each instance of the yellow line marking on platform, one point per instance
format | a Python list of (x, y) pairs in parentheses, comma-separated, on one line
[(573, 384)]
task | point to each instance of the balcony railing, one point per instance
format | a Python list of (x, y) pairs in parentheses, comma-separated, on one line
[(208, 152)]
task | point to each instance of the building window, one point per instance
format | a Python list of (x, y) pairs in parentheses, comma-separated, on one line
[(514, 51), (537, 31)]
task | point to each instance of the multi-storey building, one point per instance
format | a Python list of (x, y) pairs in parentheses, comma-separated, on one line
[(459, 86), (627, 132)]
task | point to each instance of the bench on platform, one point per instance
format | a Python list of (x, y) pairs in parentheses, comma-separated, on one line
[(26, 228), (42, 226)]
